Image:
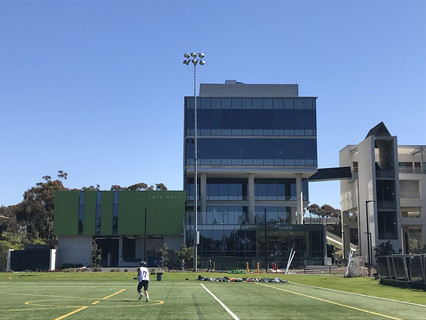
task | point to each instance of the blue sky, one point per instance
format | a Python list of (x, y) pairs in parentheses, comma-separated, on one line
[(95, 88)]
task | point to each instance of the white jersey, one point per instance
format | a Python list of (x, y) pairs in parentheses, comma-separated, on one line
[(143, 274)]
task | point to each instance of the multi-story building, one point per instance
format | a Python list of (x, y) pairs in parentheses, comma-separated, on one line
[(387, 194), (257, 145)]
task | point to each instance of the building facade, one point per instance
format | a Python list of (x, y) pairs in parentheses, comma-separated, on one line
[(387, 194), (257, 145), (127, 226)]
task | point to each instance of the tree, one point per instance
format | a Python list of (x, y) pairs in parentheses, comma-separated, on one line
[(91, 188), (326, 211), (160, 187), (96, 255), (35, 213), (384, 249), (138, 186), (164, 255), (315, 209), (187, 253)]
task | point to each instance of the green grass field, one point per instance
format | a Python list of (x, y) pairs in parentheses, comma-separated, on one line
[(180, 296)]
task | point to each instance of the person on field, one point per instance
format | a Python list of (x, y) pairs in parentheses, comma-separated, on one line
[(183, 264), (143, 277), (210, 266)]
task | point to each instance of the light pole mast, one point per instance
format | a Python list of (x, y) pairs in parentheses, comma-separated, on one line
[(192, 57)]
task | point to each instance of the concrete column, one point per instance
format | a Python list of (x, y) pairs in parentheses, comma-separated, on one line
[(203, 198), (251, 211), (8, 259), (120, 250), (346, 246), (299, 198), (293, 219)]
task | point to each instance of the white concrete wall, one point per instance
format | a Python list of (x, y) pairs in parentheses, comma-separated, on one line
[(173, 242), (52, 262), (420, 202), (74, 250), (367, 188), (348, 187)]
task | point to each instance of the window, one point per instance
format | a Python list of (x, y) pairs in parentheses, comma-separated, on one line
[(387, 225), (227, 215), (278, 189), (274, 215), (115, 213), (226, 189), (409, 189), (411, 212), (98, 212), (81, 213)]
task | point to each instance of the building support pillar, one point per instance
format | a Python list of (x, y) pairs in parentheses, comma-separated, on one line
[(251, 208), (120, 250), (299, 198), (203, 198), (346, 239)]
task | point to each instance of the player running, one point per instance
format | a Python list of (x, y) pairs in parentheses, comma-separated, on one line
[(143, 277)]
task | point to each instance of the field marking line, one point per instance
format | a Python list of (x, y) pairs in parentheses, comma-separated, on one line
[(221, 303), (111, 295), (331, 302), (85, 307), (361, 295), (72, 312)]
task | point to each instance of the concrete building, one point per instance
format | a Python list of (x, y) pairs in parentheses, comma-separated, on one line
[(387, 194), (127, 226), (257, 145)]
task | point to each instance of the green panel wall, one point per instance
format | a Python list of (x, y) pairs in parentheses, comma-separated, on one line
[(66, 213), (165, 212), (89, 212), (106, 218)]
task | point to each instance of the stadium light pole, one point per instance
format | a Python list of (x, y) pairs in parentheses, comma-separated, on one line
[(144, 243), (193, 58)]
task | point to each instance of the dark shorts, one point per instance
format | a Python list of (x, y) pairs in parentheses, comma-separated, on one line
[(143, 284)]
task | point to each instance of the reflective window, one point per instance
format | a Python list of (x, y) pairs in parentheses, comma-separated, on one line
[(226, 189), (227, 215), (98, 212), (115, 213), (190, 188), (272, 189), (81, 213), (274, 215), (411, 212), (387, 225), (278, 189), (236, 148)]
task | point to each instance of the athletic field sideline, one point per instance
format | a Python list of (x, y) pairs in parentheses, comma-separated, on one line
[(180, 295)]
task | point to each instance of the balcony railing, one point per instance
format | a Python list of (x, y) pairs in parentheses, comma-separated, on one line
[(386, 205), (385, 173), (410, 170)]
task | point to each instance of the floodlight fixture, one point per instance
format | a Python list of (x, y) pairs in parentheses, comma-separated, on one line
[(192, 57)]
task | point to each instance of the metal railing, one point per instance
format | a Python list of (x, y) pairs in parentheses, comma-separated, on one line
[(403, 270)]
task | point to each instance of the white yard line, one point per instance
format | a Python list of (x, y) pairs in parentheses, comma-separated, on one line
[(361, 295), (221, 303)]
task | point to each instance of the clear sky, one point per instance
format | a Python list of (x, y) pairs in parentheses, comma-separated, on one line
[(96, 87)]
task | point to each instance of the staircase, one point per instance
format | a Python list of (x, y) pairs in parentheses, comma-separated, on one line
[(337, 241)]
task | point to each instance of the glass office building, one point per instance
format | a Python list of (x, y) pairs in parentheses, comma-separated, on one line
[(257, 145)]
